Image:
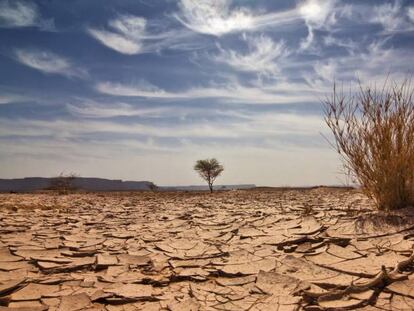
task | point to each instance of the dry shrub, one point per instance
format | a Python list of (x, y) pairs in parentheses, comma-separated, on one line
[(374, 134)]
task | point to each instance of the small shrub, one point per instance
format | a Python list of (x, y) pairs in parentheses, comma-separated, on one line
[(374, 135)]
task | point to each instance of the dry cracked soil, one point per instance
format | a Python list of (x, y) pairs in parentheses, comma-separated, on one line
[(263, 249)]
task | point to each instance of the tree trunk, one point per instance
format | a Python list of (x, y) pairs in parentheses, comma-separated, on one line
[(211, 187)]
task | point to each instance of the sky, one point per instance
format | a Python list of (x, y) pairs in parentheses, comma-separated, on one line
[(141, 89)]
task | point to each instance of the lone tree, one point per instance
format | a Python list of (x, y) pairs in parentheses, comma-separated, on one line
[(209, 170), (374, 135)]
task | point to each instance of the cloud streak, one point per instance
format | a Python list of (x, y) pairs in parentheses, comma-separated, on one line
[(16, 14), (10, 98), (125, 36), (231, 92), (48, 63), (392, 17), (410, 13), (96, 110), (261, 58), (317, 14), (218, 17), (258, 125), (130, 35)]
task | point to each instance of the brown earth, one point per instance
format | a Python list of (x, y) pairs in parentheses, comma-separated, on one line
[(315, 249)]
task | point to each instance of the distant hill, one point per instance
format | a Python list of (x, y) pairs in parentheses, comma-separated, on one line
[(29, 184), (82, 183)]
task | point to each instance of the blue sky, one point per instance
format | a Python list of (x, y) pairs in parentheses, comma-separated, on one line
[(141, 89)]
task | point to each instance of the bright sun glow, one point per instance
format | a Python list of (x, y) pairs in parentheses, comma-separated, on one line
[(315, 11), (311, 10)]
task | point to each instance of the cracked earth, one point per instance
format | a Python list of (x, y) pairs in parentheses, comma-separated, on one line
[(318, 249)]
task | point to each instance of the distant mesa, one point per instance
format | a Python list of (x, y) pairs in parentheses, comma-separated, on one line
[(30, 184)]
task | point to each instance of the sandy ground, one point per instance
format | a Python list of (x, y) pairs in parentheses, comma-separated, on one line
[(235, 250)]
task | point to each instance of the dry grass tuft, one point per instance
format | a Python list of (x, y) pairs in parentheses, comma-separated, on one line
[(374, 134)]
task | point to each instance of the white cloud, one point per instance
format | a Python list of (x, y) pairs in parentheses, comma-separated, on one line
[(48, 62), (16, 13), (129, 26), (217, 17), (129, 34), (410, 13), (351, 46), (96, 110), (316, 14), (326, 70), (231, 92), (126, 35), (380, 63), (262, 56), (213, 17), (8, 98), (116, 41), (142, 89), (388, 15), (253, 125), (392, 18), (374, 63)]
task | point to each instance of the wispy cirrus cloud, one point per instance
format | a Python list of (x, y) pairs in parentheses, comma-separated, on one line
[(371, 63), (350, 45), (16, 13), (129, 34), (244, 126), (262, 56), (213, 17), (410, 13), (218, 17), (316, 14), (86, 108), (48, 62), (95, 110), (392, 18), (125, 36), (9, 98), (229, 92)]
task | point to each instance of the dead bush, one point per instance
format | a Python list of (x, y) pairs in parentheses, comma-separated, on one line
[(374, 135)]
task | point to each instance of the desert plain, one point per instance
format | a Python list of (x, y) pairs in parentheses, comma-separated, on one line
[(261, 249)]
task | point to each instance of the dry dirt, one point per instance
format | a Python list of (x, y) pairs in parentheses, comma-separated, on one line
[(235, 250)]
